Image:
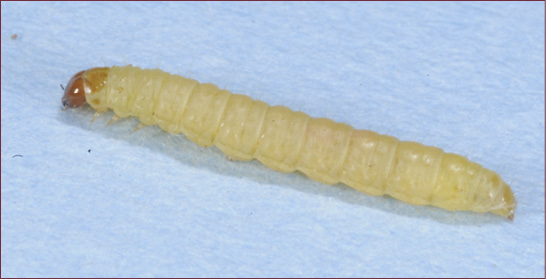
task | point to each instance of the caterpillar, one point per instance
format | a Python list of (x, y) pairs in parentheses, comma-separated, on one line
[(286, 140)]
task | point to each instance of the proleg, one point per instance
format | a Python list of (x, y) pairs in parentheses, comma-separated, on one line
[(287, 140)]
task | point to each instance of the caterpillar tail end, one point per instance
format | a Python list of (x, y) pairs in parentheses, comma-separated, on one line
[(506, 205), (82, 83)]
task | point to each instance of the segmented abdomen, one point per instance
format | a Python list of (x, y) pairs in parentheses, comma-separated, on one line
[(286, 140)]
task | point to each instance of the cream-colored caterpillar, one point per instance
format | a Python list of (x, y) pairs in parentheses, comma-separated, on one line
[(287, 140)]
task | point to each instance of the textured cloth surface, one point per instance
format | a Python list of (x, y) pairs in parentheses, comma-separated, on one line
[(84, 200)]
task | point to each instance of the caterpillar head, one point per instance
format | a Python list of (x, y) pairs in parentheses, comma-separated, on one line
[(87, 87)]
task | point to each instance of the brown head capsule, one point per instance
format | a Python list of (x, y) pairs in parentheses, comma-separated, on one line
[(83, 83), (74, 92)]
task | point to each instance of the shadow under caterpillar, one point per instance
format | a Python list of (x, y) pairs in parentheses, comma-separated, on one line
[(287, 140)]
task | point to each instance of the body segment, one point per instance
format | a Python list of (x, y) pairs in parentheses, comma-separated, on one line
[(286, 140)]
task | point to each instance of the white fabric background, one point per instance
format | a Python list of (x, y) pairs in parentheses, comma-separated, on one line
[(94, 201)]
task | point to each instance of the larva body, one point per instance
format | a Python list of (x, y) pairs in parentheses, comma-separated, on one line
[(287, 140)]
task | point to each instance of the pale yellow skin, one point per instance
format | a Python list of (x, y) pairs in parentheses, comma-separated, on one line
[(286, 140)]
